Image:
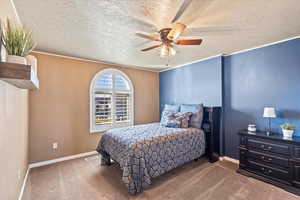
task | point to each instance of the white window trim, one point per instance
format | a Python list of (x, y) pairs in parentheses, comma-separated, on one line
[(93, 128)]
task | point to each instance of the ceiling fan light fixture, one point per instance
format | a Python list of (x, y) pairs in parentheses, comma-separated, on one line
[(164, 51), (167, 51), (172, 51)]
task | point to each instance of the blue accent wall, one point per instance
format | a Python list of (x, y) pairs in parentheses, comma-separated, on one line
[(269, 76), (193, 84), (243, 84)]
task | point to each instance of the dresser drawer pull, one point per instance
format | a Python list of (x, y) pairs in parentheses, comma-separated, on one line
[(269, 171), (266, 159), (263, 169), (266, 149)]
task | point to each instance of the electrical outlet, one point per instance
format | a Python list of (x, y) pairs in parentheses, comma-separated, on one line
[(55, 145)]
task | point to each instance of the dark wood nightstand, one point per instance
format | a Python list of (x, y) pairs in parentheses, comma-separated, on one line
[(272, 159)]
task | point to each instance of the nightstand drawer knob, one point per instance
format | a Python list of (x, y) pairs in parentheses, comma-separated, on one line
[(263, 169), (270, 148), (269, 171), (262, 146), (263, 157), (270, 159)]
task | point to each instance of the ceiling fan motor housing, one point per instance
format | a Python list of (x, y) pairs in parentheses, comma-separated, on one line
[(164, 35)]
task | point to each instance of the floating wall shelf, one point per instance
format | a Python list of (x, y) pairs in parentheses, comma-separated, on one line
[(21, 76)]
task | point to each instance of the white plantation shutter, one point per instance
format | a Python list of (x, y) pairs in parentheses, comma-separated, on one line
[(103, 108), (111, 100), (123, 107)]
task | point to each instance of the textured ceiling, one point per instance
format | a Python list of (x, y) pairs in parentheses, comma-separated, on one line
[(104, 30)]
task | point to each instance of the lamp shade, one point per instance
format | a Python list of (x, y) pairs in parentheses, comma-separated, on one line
[(269, 112)]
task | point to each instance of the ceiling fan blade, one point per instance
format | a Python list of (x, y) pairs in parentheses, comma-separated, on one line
[(189, 42), (181, 10), (176, 31), (149, 37), (153, 47), (213, 29)]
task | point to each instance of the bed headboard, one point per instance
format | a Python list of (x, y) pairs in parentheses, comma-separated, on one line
[(211, 126)]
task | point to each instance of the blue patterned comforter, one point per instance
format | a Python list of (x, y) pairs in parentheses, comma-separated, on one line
[(147, 151)]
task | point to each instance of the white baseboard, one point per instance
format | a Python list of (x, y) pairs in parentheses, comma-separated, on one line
[(48, 162), (230, 159), (23, 185)]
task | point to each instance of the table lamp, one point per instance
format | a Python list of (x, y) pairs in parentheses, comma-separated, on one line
[(269, 112)]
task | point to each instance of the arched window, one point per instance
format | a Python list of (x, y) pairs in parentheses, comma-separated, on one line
[(111, 100)]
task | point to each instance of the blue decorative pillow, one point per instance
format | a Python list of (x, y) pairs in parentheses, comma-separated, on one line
[(166, 114), (197, 116), (174, 108), (175, 119)]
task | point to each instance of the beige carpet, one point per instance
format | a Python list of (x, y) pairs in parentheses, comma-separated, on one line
[(85, 179)]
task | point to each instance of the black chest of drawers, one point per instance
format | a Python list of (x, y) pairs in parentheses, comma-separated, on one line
[(272, 159)]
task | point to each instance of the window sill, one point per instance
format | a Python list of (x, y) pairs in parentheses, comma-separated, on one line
[(106, 127)]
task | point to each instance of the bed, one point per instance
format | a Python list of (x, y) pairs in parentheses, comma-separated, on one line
[(147, 151)]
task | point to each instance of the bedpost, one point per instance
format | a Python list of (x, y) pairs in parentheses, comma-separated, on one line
[(211, 126)]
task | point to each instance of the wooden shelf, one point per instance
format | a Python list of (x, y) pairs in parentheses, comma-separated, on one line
[(21, 76)]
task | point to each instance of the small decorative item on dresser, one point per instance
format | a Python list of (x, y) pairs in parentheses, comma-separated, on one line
[(287, 130), (252, 127), (269, 112)]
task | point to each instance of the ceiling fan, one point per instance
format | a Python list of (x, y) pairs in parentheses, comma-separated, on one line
[(168, 37)]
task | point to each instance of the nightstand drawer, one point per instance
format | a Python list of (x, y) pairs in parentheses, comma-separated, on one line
[(273, 160), (269, 171), (267, 146)]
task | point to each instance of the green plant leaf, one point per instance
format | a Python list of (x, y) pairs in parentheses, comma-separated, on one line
[(16, 40)]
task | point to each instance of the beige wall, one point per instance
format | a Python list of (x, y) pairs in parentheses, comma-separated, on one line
[(13, 139), (13, 128), (59, 110)]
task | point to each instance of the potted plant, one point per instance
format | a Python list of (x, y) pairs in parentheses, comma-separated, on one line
[(17, 41), (288, 130)]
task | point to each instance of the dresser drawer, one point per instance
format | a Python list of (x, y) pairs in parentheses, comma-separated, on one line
[(267, 146), (296, 152), (269, 171), (272, 160), (296, 174)]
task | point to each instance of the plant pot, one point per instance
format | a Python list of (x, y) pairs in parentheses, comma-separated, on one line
[(3, 53), (16, 59), (287, 133)]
